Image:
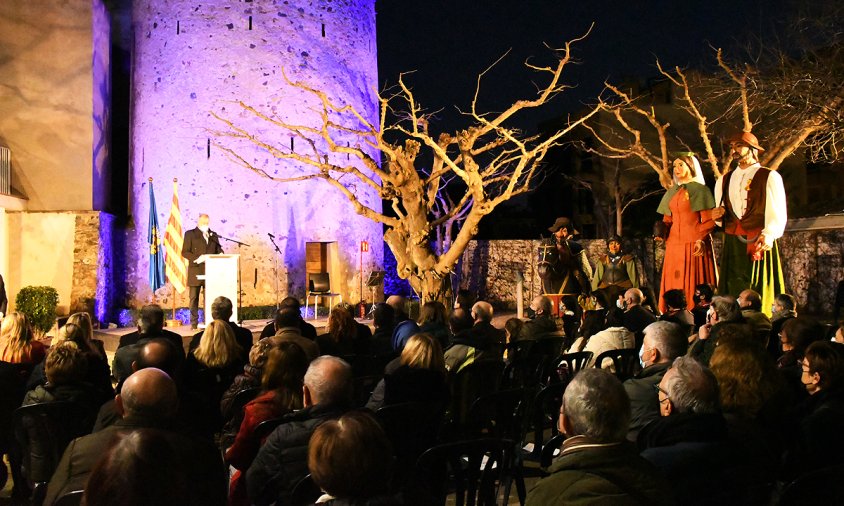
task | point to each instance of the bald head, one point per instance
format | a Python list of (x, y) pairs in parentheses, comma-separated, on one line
[(397, 302), (148, 393), (749, 299), (633, 297), (158, 353), (482, 311)]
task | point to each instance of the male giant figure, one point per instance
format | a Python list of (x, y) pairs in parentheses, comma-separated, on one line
[(752, 209), (198, 241)]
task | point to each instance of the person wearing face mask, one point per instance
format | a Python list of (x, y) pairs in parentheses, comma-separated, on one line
[(752, 209), (541, 321), (819, 442), (664, 341), (702, 299), (198, 241), (687, 212)]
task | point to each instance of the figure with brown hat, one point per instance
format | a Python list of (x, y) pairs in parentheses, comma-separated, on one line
[(752, 210), (563, 266)]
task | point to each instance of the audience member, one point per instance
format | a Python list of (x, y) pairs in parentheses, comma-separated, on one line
[(751, 309), (676, 312), (819, 441), (784, 309), (160, 354), (689, 442), (306, 329), (351, 460), (541, 322), (595, 320), (465, 348), (702, 299), (383, 319), (17, 345), (636, 317), (484, 331), (433, 321), (282, 460), (83, 320), (722, 310), (614, 337), (282, 382), (513, 329), (754, 401), (572, 314), (664, 341), (363, 338), (596, 463), (149, 466), (249, 378), (418, 376), (151, 325), (839, 335), (222, 309), (465, 299), (210, 369), (67, 370), (341, 336), (404, 326), (795, 337), (287, 329)]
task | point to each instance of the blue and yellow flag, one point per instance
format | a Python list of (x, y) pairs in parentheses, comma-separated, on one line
[(156, 254)]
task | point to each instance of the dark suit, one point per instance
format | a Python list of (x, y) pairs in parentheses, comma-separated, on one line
[(195, 246)]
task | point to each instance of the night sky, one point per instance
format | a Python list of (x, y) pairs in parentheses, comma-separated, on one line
[(447, 43)]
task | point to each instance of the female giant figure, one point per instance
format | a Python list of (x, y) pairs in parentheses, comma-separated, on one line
[(687, 211)]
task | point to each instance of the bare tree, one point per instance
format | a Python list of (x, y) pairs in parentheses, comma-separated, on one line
[(491, 160), (794, 100)]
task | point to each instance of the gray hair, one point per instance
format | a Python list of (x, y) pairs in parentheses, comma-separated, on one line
[(597, 406), (727, 308), (691, 387), (482, 311), (668, 338), (222, 309), (330, 380), (543, 304)]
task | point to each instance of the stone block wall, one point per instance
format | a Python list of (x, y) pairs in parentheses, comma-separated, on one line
[(193, 58)]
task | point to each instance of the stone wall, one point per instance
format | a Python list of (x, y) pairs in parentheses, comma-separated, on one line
[(193, 58), (812, 266)]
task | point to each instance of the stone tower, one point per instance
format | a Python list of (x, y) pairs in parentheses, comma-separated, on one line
[(192, 58)]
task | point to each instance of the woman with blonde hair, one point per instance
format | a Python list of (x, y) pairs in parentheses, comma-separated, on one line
[(210, 369), (17, 345), (83, 320), (418, 375)]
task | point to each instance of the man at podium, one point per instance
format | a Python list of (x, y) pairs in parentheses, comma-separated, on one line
[(198, 241)]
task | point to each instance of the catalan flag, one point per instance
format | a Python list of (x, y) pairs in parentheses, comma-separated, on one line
[(156, 256), (177, 271)]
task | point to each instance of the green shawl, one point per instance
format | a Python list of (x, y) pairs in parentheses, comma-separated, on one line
[(700, 197)]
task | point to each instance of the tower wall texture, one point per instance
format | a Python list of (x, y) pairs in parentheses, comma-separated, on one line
[(192, 58)]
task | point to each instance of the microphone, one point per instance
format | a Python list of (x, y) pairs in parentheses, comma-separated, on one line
[(271, 236)]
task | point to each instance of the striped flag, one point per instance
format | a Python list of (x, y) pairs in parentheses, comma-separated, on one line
[(177, 270), (156, 256)]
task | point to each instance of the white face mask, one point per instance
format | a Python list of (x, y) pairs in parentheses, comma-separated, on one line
[(620, 304), (203, 228), (642, 360)]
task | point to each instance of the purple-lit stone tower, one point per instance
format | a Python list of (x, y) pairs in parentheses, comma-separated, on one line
[(195, 57)]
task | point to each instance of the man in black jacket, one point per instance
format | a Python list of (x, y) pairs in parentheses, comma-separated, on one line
[(283, 459), (664, 341), (542, 322), (636, 318), (198, 241), (150, 326), (306, 329)]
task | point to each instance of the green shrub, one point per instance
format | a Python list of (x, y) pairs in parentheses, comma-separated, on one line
[(38, 303)]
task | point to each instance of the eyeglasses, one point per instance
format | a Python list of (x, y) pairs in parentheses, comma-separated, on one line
[(658, 389)]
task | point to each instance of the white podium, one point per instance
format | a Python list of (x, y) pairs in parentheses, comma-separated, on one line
[(220, 277)]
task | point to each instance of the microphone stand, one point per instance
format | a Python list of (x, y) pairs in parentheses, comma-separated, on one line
[(278, 251), (239, 276)]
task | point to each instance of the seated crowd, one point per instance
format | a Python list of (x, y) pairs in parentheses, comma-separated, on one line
[(725, 404)]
